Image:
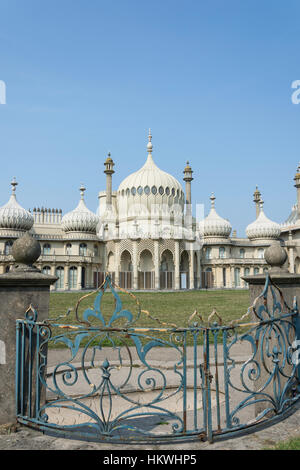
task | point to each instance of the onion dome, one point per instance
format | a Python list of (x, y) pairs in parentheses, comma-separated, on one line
[(147, 186), (213, 225), (262, 227), (80, 219), (13, 216)]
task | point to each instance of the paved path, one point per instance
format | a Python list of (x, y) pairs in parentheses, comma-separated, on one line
[(27, 439)]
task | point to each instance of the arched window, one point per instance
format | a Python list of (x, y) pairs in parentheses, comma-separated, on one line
[(68, 248), (208, 253), (256, 270), (82, 249), (246, 273), (7, 269), (60, 273), (261, 253), (46, 270), (237, 278), (224, 277), (73, 277), (8, 247), (221, 252), (46, 249), (208, 278), (242, 253), (95, 250)]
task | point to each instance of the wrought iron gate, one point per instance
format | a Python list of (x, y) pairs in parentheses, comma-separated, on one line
[(116, 381)]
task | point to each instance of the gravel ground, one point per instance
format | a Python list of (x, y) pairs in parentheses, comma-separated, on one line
[(23, 438)]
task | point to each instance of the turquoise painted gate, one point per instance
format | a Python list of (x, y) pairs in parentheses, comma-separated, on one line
[(106, 377)]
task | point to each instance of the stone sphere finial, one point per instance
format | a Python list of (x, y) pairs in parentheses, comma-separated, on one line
[(26, 250), (276, 256)]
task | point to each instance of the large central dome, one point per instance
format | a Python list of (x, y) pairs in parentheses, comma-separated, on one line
[(147, 187)]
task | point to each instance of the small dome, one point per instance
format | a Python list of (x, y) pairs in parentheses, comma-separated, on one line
[(262, 227), (13, 216), (213, 225), (80, 219)]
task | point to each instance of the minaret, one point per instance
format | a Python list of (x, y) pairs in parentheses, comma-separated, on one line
[(109, 171), (256, 200), (188, 178), (297, 185)]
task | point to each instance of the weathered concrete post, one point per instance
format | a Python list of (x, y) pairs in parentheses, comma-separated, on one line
[(289, 285), (21, 287)]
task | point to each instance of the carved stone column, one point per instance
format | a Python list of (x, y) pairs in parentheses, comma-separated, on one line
[(156, 265), (135, 264), (177, 265), (192, 270), (66, 277), (79, 276)]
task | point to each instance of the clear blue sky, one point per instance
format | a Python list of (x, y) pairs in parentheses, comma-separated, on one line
[(211, 78)]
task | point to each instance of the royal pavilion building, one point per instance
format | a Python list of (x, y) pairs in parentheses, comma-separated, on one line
[(145, 236)]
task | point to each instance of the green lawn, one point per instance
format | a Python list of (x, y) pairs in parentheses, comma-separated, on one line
[(169, 307), (290, 444)]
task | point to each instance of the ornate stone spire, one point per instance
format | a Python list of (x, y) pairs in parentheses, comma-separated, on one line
[(82, 190), (149, 145), (109, 171), (188, 173), (14, 185), (109, 165), (256, 200)]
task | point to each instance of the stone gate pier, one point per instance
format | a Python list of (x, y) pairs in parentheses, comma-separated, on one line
[(286, 287), (22, 286)]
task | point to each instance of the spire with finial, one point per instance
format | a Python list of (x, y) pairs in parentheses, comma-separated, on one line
[(297, 176), (212, 198), (109, 165), (188, 172), (256, 195), (261, 205), (82, 189), (14, 184), (149, 145), (256, 200)]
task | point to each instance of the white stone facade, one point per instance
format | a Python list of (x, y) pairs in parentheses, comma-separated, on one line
[(145, 236)]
